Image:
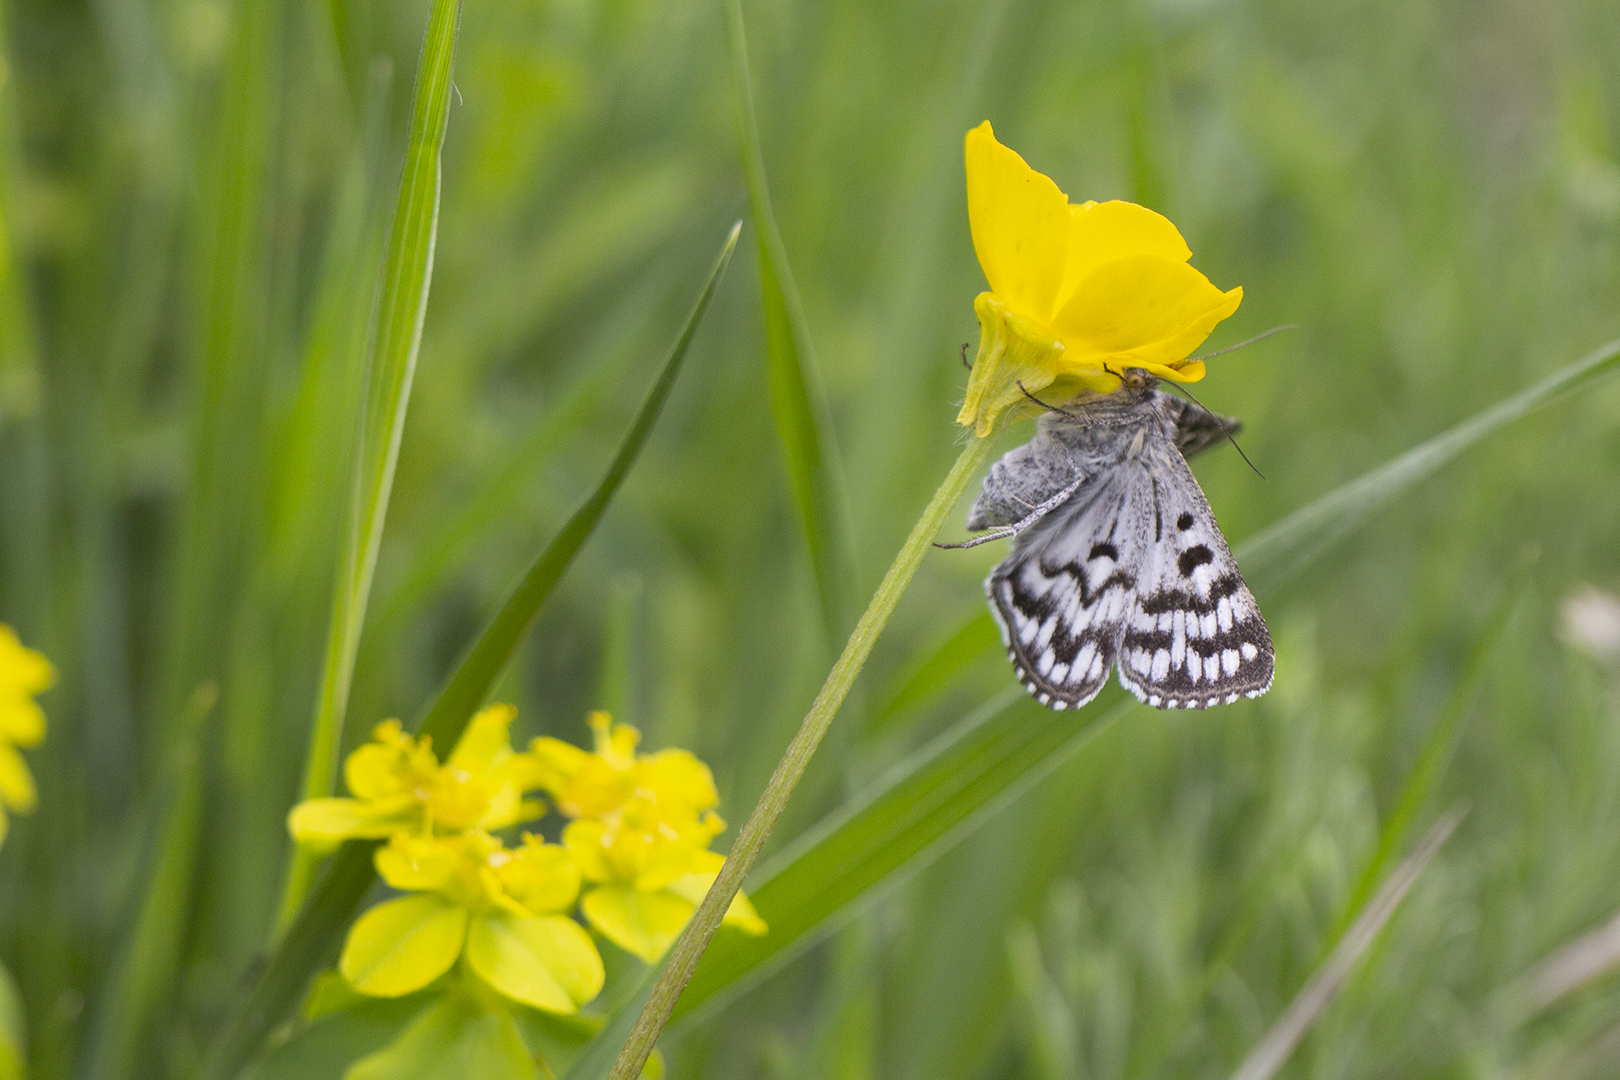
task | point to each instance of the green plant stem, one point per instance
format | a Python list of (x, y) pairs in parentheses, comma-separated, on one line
[(700, 931)]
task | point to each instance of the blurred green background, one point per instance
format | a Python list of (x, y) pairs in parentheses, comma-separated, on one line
[(192, 200)]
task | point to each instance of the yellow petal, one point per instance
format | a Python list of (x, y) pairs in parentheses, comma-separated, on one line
[(554, 763), (1102, 232), (583, 839), (1139, 310), (678, 774), (22, 670), (402, 945), (17, 791), (417, 863), (324, 822), (486, 742), (542, 877), (375, 771), (547, 961), (21, 721), (1020, 225), (740, 913), (643, 923)]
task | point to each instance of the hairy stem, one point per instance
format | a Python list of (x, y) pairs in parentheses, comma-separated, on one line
[(700, 931)]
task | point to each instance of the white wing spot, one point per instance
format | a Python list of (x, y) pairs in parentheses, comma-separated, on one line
[(1249, 651), (1229, 661)]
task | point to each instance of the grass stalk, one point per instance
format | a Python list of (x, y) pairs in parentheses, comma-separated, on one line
[(683, 959), (312, 937), (397, 339)]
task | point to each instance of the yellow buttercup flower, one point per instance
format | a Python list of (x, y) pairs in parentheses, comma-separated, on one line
[(397, 783), (501, 911), (642, 828), (23, 674), (1078, 292)]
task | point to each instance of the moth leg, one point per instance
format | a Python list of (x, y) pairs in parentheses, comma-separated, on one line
[(1040, 511)]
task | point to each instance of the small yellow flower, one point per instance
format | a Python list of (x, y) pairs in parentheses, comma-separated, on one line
[(1076, 291), (472, 898), (642, 828), (398, 784), (23, 674)]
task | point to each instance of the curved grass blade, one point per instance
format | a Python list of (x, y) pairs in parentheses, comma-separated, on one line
[(1442, 740), (1011, 743), (798, 402), (390, 369), (313, 937), (1283, 549), (1324, 985)]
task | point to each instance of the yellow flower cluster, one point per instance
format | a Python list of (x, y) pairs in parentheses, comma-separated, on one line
[(1078, 292), (23, 674), (637, 841)]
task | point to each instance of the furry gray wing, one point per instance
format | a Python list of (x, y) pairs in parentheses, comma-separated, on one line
[(1196, 427), (1062, 596), (1028, 476), (1193, 635)]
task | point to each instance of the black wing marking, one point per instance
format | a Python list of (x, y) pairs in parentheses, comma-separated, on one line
[(1193, 635), (1062, 596)]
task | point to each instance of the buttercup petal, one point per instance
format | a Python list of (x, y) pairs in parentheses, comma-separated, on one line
[(1100, 232), (1020, 224), (402, 945), (645, 924), (1144, 307), (547, 961)]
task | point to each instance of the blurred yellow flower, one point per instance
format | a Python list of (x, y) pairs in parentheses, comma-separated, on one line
[(1076, 291), (23, 673), (642, 828), (472, 898), (398, 784)]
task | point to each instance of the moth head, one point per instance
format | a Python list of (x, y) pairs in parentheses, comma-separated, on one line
[(1133, 379)]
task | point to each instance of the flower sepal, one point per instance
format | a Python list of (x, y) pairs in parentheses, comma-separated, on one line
[(1016, 357)]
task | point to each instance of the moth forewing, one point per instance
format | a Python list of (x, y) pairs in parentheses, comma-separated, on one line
[(1131, 570)]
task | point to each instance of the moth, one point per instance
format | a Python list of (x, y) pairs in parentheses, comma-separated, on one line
[(1117, 560)]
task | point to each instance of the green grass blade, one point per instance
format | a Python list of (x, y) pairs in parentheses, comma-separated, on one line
[(973, 770), (145, 969), (1283, 549), (313, 936), (483, 663), (1324, 985), (1438, 746), (922, 807), (396, 341), (798, 402), (938, 670)]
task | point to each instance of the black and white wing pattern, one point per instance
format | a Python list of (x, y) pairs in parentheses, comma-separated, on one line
[(1130, 571), (1193, 635), (1063, 596)]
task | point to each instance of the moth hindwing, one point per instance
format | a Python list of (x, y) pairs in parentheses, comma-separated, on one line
[(1118, 562)]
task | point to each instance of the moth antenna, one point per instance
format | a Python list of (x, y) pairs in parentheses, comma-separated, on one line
[(1222, 423), (1044, 405), (1241, 344)]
